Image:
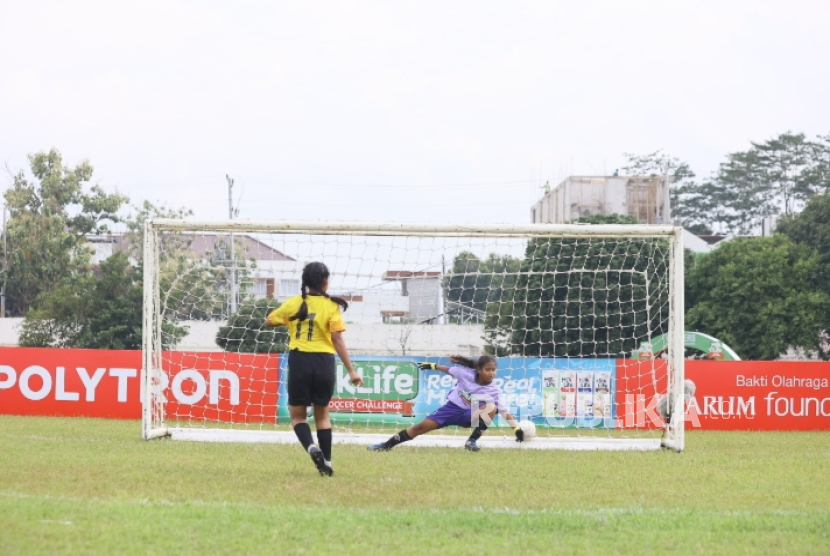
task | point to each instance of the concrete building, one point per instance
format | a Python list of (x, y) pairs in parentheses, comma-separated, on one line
[(644, 197), (276, 276), (397, 297), (424, 293)]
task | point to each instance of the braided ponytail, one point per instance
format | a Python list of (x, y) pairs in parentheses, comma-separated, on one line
[(314, 274), (302, 312)]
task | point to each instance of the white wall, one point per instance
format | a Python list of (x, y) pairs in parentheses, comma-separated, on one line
[(371, 339), (362, 339), (369, 310), (415, 339), (424, 298), (9, 332)]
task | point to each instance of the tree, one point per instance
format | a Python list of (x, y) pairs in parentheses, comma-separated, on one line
[(50, 216), (93, 308), (475, 283), (812, 227), (771, 178), (246, 330), (583, 297), (788, 166), (607, 219), (759, 295)]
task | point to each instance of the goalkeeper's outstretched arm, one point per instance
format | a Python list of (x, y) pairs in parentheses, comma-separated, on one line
[(432, 367)]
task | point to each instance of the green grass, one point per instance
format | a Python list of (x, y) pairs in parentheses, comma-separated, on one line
[(93, 486)]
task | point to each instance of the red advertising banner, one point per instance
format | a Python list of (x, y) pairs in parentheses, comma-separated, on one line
[(229, 387), (70, 382), (760, 395), (219, 386), (222, 386), (638, 384)]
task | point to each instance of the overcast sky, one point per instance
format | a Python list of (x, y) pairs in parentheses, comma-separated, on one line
[(405, 111)]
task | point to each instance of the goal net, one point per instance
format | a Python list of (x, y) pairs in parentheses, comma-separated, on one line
[(573, 314)]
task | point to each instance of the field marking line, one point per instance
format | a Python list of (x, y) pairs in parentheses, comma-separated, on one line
[(597, 512)]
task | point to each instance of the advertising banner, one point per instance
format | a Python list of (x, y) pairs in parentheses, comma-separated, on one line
[(761, 395), (559, 393), (70, 382), (222, 387), (395, 392), (228, 387)]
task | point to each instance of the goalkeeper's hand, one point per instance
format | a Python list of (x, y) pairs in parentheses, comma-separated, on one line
[(427, 366), (520, 434)]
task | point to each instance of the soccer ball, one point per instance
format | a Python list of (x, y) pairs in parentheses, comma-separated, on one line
[(529, 429)]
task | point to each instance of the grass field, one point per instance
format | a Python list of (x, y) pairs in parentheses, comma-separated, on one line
[(76, 486)]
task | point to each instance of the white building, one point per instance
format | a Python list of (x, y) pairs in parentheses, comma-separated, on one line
[(395, 314), (644, 197), (275, 276), (399, 296)]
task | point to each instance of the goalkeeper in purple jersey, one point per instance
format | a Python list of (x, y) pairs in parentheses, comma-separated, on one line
[(473, 397)]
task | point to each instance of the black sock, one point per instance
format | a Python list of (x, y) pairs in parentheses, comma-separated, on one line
[(393, 441), (478, 431), (303, 432), (324, 440)]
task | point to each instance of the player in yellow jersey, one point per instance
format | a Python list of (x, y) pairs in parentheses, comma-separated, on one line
[(315, 330)]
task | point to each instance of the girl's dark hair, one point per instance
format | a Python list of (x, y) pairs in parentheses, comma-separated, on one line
[(314, 274), (473, 364)]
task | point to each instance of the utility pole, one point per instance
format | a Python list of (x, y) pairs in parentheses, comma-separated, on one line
[(667, 200), (445, 319), (232, 304), (5, 268)]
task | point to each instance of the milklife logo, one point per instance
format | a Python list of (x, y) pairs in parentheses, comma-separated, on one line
[(388, 387)]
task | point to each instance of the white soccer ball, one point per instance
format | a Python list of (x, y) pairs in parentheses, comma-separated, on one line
[(529, 429)]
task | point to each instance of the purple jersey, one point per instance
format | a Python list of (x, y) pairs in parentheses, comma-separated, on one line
[(466, 388)]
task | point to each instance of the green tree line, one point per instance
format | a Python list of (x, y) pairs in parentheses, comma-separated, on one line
[(48, 275), (771, 178)]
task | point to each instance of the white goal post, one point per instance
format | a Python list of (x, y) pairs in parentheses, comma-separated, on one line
[(570, 312)]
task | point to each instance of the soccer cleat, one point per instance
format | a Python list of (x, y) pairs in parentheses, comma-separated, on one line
[(320, 461), (471, 445), (382, 447)]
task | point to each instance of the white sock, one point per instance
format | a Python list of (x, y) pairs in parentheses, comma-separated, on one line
[(327, 462), (310, 447)]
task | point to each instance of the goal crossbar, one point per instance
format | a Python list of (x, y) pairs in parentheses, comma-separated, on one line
[(394, 228)]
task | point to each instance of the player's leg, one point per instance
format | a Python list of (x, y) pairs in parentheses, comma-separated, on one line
[(321, 392), (446, 415), (299, 396), (300, 425), (472, 442), (478, 429), (425, 426), (300, 388), (324, 437)]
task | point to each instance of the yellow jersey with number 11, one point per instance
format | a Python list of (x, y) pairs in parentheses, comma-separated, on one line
[(314, 333)]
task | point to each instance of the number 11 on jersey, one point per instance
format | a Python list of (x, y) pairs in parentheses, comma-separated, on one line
[(310, 319)]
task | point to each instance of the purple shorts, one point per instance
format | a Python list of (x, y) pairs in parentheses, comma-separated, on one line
[(450, 414)]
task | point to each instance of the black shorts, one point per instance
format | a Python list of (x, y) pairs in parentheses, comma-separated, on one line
[(310, 378)]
